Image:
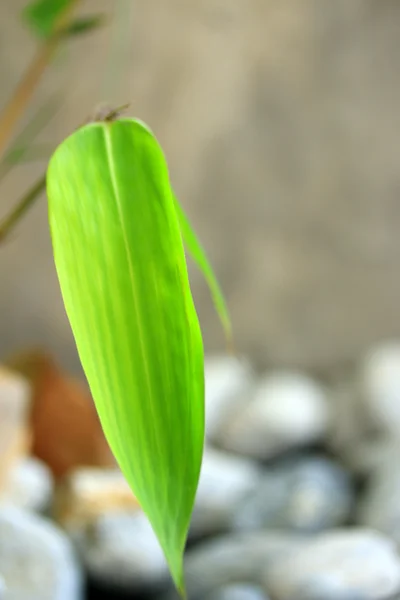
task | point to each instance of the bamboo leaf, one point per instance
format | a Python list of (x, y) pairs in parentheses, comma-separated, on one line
[(24, 204), (23, 154), (84, 25), (199, 256), (42, 15), (22, 148), (38, 121), (121, 266)]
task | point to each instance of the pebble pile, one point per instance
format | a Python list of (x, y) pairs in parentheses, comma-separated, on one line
[(299, 498)]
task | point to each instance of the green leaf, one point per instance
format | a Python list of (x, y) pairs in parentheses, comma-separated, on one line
[(24, 154), (122, 271), (84, 25), (42, 15), (23, 149), (20, 154), (38, 121), (199, 256)]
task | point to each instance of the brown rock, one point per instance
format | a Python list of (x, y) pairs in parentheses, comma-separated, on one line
[(14, 431), (66, 430)]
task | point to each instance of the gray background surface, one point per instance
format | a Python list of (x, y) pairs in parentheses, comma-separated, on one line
[(281, 123)]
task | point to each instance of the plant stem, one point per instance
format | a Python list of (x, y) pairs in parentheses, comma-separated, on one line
[(23, 205), (24, 91)]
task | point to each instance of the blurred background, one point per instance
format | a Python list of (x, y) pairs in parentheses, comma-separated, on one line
[(280, 121)]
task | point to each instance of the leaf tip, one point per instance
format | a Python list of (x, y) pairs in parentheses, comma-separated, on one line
[(181, 587)]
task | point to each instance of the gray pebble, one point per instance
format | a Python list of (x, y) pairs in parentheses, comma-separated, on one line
[(224, 481), (379, 508), (238, 592), (349, 428), (36, 559), (29, 486), (288, 410), (228, 385), (380, 386), (307, 494), (232, 559), (339, 565), (122, 551)]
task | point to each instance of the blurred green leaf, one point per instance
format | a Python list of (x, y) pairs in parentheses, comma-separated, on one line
[(28, 153), (25, 203), (39, 120), (42, 15), (200, 258), (122, 271), (23, 149), (23, 154), (84, 25)]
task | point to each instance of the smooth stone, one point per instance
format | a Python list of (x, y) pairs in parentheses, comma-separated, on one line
[(238, 591), (349, 426), (353, 437), (379, 508), (352, 564), (288, 410), (380, 386), (224, 481), (366, 457), (231, 559), (29, 486), (122, 551), (307, 494), (37, 560), (228, 384)]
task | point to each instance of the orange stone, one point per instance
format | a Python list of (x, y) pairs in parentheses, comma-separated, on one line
[(65, 427)]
